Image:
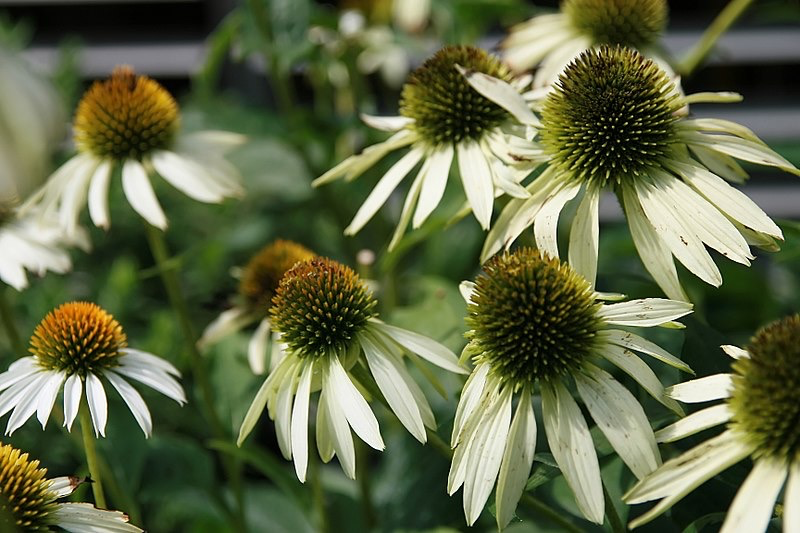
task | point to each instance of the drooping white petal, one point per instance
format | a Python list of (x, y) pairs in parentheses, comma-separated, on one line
[(153, 378), (644, 313), (27, 402), (437, 170), (470, 398), (743, 149), (383, 189), (408, 208), (98, 194), (98, 404), (517, 460), (299, 428), (260, 400), (47, 396), (735, 352), (133, 400), (694, 423), (584, 235), (147, 360), (421, 345), (629, 340), (791, 500), (339, 432), (571, 445), (501, 93), (257, 347), (546, 224), (355, 165), (347, 400), (73, 389), (73, 195), (18, 370), (324, 430), (140, 195), (555, 62), (86, 518), (705, 389), (226, 323), (752, 507), (387, 372), (466, 288), (476, 177), (621, 419), (187, 176), (720, 164), (720, 97), (386, 123)]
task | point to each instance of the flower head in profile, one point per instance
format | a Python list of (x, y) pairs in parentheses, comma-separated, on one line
[(327, 320), (33, 243), (29, 500), (535, 326), (615, 121), (551, 41), (461, 104), (80, 346), (130, 123), (760, 408), (257, 287)]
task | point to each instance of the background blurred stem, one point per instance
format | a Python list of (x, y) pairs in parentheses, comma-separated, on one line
[(92, 459), (365, 485), (278, 77), (719, 26), (318, 493), (7, 315), (158, 247)]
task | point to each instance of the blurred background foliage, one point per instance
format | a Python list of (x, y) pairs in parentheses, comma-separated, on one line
[(293, 75)]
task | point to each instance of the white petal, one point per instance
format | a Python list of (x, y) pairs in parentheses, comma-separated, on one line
[(27, 403), (735, 352), (324, 430), (476, 177), (187, 176), (791, 500), (386, 123), (283, 409), (720, 164), (421, 345), (571, 445), (383, 189), (644, 313), (226, 323), (470, 398), (86, 518), (629, 340), (355, 165), (408, 208), (347, 400), (714, 387), (501, 93), (98, 404), (517, 460), (752, 507), (387, 372), (73, 389), (98, 194), (721, 97), (257, 347), (340, 436), (299, 429), (742, 149), (147, 360), (546, 224), (64, 485), (133, 400), (621, 419), (19, 369), (694, 423), (584, 235), (466, 288), (214, 140), (140, 195), (73, 195), (47, 396), (437, 170), (261, 398)]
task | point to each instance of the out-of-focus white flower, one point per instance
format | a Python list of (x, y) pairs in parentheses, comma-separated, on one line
[(411, 15)]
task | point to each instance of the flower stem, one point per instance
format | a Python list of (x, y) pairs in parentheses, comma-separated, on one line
[(92, 458), (611, 513), (7, 315), (318, 494), (719, 26), (365, 486)]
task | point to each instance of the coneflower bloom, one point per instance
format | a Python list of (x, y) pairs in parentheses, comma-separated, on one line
[(29, 499), (257, 286), (326, 317), (760, 408), (461, 104), (537, 325), (550, 42), (616, 121), (78, 346), (131, 123)]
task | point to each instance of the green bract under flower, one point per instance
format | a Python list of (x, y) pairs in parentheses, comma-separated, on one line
[(264, 271), (532, 317), (78, 338), (633, 23), (766, 396), (610, 116), (25, 495), (126, 116), (319, 307), (445, 108)]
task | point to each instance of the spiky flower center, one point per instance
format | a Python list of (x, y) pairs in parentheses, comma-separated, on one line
[(78, 338), (25, 495), (532, 317), (610, 117), (264, 271), (445, 108), (633, 23), (766, 391), (320, 306), (126, 116)]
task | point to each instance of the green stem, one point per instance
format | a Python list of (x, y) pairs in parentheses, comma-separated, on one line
[(611, 513), (318, 494), (166, 270), (7, 315), (365, 486), (92, 458), (279, 78), (719, 26)]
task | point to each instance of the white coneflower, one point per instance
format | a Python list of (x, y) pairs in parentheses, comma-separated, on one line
[(761, 409), (78, 345), (460, 104), (551, 41), (326, 318), (131, 123), (616, 121), (28, 500), (259, 281), (34, 243), (537, 324)]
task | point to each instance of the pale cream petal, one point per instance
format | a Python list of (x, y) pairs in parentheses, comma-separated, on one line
[(517, 460), (346, 399), (386, 123), (140, 195), (646, 312), (257, 347), (501, 93), (694, 423), (73, 389), (470, 398), (476, 177), (546, 224), (133, 400), (437, 170), (98, 404), (705, 389), (427, 348), (791, 500), (721, 97), (283, 408), (632, 341), (299, 426), (584, 235), (408, 208), (98, 194), (752, 507)]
